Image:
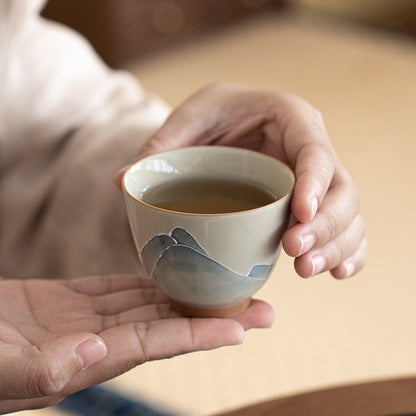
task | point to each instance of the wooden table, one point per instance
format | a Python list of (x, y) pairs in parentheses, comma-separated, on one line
[(381, 398)]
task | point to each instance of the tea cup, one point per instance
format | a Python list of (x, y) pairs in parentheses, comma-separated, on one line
[(208, 264)]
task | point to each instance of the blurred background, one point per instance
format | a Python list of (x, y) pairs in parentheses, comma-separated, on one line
[(355, 60), (122, 31)]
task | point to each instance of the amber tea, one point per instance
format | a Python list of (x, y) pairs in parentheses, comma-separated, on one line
[(207, 195)]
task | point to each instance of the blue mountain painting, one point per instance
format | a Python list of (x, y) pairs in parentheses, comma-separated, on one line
[(182, 269)]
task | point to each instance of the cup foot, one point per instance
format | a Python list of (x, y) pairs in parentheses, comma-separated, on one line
[(194, 312)]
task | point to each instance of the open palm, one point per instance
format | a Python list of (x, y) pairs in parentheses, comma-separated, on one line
[(58, 337)]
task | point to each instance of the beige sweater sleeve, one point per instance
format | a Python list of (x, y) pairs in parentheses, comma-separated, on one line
[(67, 124)]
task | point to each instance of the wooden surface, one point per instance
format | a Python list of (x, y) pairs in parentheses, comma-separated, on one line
[(389, 397)]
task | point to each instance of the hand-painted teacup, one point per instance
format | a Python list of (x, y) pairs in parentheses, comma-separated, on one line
[(208, 264)]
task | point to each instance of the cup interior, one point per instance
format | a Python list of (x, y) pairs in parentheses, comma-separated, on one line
[(215, 162)]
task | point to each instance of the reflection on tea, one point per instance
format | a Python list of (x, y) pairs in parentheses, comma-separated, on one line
[(207, 195)]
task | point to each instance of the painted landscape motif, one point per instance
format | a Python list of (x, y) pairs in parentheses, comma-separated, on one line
[(183, 270)]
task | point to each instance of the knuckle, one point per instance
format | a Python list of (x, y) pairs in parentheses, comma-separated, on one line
[(99, 304), (316, 120), (331, 227), (109, 321), (335, 255), (151, 296), (142, 331), (341, 254), (324, 172), (312, 153), (352, 245), (338, 255), (164, 312), (106, 282), (317, 114), (155, 145), (49, 382), (357, 230)]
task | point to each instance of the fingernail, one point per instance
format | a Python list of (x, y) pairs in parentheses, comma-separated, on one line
[(314, 207), (349, 269), (318, 264), (306, 243), (90, 351)]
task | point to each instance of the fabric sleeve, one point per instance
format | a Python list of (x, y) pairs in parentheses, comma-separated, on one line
[(67, 124)]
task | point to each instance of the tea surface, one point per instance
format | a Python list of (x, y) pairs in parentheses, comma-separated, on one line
[(207, 196)]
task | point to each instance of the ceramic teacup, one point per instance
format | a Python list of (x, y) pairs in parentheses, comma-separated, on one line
[(208, 264)]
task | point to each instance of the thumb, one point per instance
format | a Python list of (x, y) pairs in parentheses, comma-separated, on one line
[(179, 130), (32, 372), (194, 122)]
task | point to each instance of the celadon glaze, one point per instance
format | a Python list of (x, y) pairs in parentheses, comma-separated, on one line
[(213, 260)]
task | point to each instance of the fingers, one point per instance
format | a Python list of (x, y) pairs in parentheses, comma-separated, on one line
[(116, 300), (334, 234), (325, 200), (167, 338), (344, 254), (353, 264), (33, 372), (314, 172), (162, 338), (181, 129), (338, 209), (39, 377), (189, 124), (183, 126), (135, 343), (117, 303), (145, 313), (258, 315), (155, 338), (306, 146), (204, 118), (329, 234), (104, 284)]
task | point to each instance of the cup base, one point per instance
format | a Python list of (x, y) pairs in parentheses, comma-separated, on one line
[(194, 312)]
